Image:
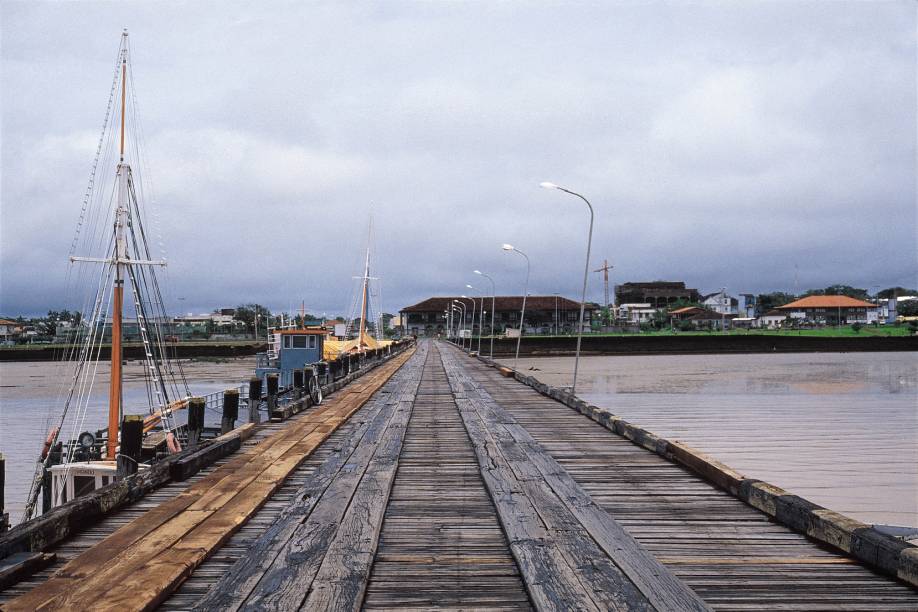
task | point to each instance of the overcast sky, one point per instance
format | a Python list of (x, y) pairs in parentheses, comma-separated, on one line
[(723, 144)]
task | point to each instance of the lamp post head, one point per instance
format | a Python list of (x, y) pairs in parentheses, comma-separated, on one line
[(464, 297), (478, 272), (507, 247), (547, 185), (470, 287)]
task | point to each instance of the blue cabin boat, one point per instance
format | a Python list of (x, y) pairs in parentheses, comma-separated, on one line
[(288, 350)]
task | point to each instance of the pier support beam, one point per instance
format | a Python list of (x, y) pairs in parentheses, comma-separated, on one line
[(230, 410), (254, 400), (272, 392), (4, 517), (131, 443), (195, 420)]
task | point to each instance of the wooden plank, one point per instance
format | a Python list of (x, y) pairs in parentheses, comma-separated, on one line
[(20, 565), (241, 580), (192, 464), (441, 544), (107, 569), (349, 512), (566, 509), (732, 555)]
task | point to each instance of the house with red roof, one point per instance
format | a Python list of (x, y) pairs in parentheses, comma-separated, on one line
[(831, 310)]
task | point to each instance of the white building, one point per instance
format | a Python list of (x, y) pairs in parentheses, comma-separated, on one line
[(636, 313), (772, 319), (720, 302)]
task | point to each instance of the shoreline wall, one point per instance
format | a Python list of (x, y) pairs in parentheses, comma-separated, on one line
[(535, 346), (135, 351)]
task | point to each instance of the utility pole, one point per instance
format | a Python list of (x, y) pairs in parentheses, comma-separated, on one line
[(605, 277)]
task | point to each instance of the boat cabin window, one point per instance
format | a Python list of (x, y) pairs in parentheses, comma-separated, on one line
[(300, 341), (83, 485)]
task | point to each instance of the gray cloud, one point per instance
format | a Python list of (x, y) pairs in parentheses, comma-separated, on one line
[(721, 143)]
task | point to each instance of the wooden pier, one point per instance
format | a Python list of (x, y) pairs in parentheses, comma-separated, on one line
[(436, 482)]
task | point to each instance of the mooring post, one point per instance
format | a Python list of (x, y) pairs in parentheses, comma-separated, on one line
[(230, 410), (299, 383), (131, 444), (254, 399), (4, 517), (195, 420), (272, 392)]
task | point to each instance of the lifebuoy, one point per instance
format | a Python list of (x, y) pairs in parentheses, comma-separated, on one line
[(49, 441)]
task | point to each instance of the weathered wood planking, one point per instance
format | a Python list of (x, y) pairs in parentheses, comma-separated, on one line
[(285, 560), (171, 540), (732, 555), (441, 545), (612, 569)]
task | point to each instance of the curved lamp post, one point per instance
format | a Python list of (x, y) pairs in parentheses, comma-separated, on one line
[(481, 314), (461, 304), (454, 326), (586, 271), (493, 293), (472, 328), (509, 248)]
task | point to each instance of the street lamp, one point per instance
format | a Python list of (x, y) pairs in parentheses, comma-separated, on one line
[(493, 293), (472, 328), (723, 310), (586, 271), (461, 321), (509, 248), (454, 323), (481, 313)]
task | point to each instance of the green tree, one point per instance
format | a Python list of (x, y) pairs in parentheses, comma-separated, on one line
[(247, 312), (854, 292), (907, 309), (895, 292), (768, 301)]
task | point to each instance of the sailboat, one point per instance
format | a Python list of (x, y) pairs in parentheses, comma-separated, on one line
[(113, 223), (360, 340)]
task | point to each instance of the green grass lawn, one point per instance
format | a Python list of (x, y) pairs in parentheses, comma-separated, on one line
[(844, 331)]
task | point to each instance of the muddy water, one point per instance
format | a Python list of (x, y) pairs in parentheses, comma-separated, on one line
[(838, 429), (30, 401)]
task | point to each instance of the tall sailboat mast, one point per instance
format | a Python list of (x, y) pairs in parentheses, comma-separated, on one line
[(364, 305), (115, 394)]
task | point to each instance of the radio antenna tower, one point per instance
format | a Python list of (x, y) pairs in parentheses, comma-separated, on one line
[(605, 277)]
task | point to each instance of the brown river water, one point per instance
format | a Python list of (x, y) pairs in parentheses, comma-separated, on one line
[(840, 429), (30, 401)]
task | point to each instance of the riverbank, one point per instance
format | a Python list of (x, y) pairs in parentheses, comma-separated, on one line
[(687, 344), (134, 350)]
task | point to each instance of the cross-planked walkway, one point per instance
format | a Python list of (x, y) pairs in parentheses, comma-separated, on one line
[(731, 554), (435, 483), (141, 563), (441, 544)]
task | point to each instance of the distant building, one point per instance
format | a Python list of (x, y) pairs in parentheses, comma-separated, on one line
[(708, 319), (747, 305), (772, 319), (720, 303), (545, 314), (831, 310), (685, 313), (636, 313), (9, 330), (659, 294)]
